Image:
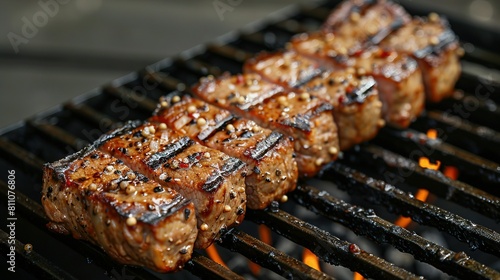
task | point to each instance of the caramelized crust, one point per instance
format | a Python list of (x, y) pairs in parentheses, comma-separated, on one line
[(271, 169), (305, 118), (211, 179), (95, 197)]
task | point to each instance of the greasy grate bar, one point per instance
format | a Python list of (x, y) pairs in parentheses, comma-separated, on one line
[(328, 247), (367, 223), (452, 190), (268, 257), (36, 263), (399, 202)]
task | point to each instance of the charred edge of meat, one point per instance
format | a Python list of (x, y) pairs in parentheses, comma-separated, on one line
[(159, 213), (361, 7), (383, 33), (305, 79), (231, 165), (360, 93), (267, 144), (61, 165), (302, 121), (209, 131), (170, 151), (445, 39), (254, 102), (213, 182), (127, 128)]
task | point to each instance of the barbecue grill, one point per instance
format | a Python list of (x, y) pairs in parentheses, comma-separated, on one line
[(378, 178)]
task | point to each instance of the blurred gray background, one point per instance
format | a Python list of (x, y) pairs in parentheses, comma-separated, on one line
[(82, 44)]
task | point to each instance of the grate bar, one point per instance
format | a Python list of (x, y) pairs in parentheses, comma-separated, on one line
[(471, 137), (230, 52), (90, 114), (130, 98), (399, 202), (404, 169), (165, 81), (366, 223), (38, 265), (416, 144), (205, 268), (198, 67), (57, 134), (24, 157), (328, 247), (269, 257)]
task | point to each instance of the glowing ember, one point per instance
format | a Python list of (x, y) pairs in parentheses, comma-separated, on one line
[(310, 259), (214, 255), (451, 172), (358, 276), (426, 163), (432, 133)]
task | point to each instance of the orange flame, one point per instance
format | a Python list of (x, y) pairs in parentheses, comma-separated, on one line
[(265, 236), (214, 255), (421, 194), (358, 276), (310, 259)]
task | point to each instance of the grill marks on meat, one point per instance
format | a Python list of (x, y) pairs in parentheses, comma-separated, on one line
[(271, 169), (213, 181), (286, 69), (355, 99), (432, 43), (356, 105), (397, 75), (368, 22), (306, 118), (95, 197)]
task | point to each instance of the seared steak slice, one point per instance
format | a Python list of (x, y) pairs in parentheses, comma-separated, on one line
[(355, 99), (356, 105), (271, 169), (306, 118), (436, 48), (286, 69), (211, 179), (398, 77), (366, 21), (95, 197)]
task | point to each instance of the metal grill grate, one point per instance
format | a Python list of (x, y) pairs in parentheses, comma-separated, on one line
[(381, 172)]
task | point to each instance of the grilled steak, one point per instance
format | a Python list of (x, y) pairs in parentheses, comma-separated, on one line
[(271, 169), (436, 48), (356, 105), (212, 180), (95, 197), (306, 118), (366, 21), (355, 99), (287, 69), (398, 77)]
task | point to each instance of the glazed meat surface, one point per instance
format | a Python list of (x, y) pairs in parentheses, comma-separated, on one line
[(212, 180), (355, 99), (306, 118), (366, 21), (271, 169), (432, 43), (397, 75), (95, 197)]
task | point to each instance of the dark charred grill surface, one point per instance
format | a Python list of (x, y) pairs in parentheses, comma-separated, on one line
[(381, 175)]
